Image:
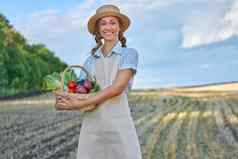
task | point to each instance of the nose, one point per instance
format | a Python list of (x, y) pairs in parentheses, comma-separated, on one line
[(108, 27)]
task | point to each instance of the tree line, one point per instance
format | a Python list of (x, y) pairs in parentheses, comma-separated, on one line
[(23, 65)]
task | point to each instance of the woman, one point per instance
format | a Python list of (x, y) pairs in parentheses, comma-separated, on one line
[(108, 132)]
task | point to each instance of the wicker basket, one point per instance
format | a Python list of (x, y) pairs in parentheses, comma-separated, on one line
[(62, 92)]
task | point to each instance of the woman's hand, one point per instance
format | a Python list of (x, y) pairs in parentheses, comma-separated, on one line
[(65, 103), (70, 103)]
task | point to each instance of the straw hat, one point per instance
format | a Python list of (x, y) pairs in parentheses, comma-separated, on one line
[(108, 10)]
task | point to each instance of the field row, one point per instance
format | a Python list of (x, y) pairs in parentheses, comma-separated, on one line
[(169, 127)]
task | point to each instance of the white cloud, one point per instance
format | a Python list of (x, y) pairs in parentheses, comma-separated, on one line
[(64, 32), (213, 26), (50, 23), (139, 9)]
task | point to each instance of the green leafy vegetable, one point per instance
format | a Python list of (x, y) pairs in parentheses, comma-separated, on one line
[(53, 81), (69, 76), (95, 85)]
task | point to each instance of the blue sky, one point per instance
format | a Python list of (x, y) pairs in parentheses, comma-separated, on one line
[(179, 42)]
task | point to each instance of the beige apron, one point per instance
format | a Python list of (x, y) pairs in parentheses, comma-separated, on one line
[(109, 131)]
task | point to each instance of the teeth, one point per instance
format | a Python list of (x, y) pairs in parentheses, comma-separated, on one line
[(108, 33)]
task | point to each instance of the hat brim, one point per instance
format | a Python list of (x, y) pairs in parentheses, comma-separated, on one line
[(125, 21)]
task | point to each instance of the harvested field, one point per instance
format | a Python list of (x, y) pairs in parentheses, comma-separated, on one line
[(169, 126)]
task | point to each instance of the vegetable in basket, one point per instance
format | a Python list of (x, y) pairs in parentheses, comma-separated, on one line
[(67, 84), (52, 81), (72, 86), (87, 86)]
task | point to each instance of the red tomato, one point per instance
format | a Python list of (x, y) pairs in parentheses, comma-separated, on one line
[(72, 86)]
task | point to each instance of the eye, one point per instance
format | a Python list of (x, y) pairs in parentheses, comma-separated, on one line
[(102, 23), (113, 22)]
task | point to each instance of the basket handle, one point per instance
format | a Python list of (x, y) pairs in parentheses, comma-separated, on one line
[(68, 68)]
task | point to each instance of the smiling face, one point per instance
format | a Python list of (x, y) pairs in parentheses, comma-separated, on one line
[(109, 28)]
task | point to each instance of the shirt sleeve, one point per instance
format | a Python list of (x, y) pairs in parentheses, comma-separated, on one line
[(129, 59), (87, 66)]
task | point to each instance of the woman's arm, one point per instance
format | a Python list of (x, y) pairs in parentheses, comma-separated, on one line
[(116, 88), (127, 68)]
